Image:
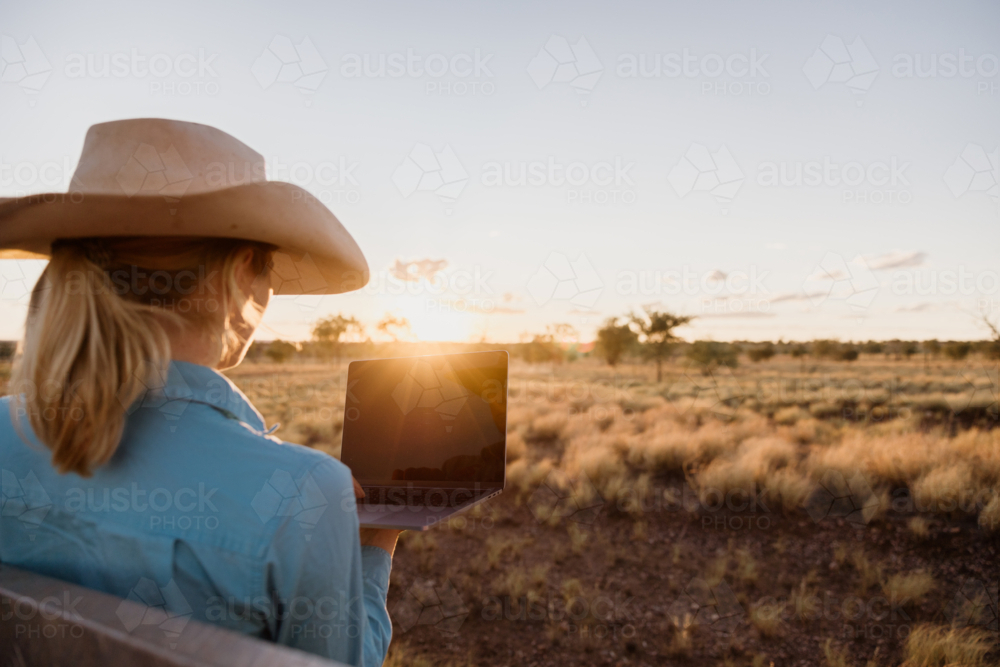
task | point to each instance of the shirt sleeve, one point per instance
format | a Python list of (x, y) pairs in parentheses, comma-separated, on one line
[(327, 592)]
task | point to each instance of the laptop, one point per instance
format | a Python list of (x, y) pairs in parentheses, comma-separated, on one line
[(426, 437)]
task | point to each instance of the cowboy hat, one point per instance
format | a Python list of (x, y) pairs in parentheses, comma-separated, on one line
[(158, 177)]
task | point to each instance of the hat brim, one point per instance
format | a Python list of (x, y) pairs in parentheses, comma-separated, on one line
[(316, 254)]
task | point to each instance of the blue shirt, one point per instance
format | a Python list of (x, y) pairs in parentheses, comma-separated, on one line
[(202, 514)]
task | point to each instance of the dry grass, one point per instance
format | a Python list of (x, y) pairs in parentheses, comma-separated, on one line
[(803, 598), (400, 656), (869, 574), (836, 656), (908, 589), (681, 642), (920, 527), (767, 619), (932, 646), (989, 517), (746, 567), (773, 441)]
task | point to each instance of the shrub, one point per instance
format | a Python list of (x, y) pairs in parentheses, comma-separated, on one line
[(761, 352), (957, 350), (280, 351), (710, 355), (614, 341)]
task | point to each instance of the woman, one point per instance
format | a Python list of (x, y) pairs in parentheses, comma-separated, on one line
[(130, 464)]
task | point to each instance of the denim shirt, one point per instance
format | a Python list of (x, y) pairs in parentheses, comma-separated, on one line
[(204, 514)]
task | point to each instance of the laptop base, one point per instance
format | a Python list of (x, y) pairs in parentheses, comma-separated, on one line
[(412, 517)]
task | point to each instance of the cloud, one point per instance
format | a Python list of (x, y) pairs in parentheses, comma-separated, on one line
[(749, 313), (790, 296), (716, 275), (417, 269), (897, 259), (915, 308)]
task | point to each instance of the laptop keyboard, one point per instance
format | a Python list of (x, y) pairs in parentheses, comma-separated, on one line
[(397, 495)]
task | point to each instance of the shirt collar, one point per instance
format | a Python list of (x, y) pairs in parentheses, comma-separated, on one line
[(201, 384)]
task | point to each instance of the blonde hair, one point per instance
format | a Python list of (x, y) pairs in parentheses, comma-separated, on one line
[(96, 336)]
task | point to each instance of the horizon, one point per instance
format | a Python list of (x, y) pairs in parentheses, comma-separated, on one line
[(508, 169)]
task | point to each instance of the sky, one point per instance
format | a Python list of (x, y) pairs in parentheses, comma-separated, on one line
[(773, 169)]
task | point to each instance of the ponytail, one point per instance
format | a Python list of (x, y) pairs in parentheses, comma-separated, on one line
[(90, 351)]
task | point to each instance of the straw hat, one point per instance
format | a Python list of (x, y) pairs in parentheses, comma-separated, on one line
[(157, 177)]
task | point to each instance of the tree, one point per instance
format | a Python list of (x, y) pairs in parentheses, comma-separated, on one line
[(993, 346), (710, 355), (761, 352), (656, 335), (848, 353), (549, 346), (614, 341), (327, 333), (799, 351), (280, 351), (872, 347), (908, 348), (957, 350), (393, 327), (931, 348), (829, 349)]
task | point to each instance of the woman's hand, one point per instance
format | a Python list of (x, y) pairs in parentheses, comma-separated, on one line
[(383, 538)]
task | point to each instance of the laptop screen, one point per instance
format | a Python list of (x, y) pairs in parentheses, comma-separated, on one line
[(435, 420)]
